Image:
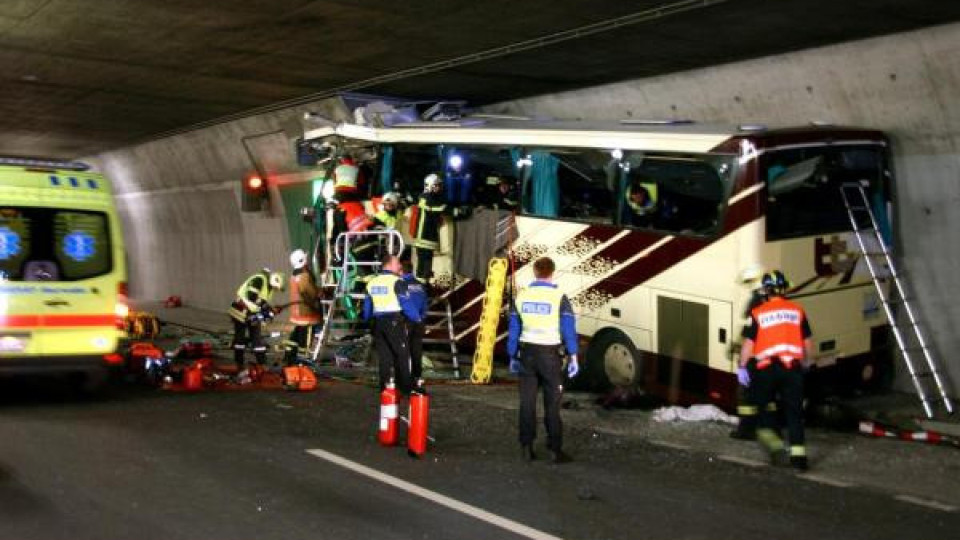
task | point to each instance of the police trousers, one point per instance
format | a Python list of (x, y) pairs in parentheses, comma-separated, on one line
[(787, 382), (542, 369), (391, 341), (415, 332)]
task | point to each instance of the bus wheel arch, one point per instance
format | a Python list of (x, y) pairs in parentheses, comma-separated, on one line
[(612, 360)]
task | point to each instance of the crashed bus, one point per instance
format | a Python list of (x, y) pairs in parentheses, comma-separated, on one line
[(659, 282)]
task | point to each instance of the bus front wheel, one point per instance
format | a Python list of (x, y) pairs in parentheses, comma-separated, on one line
[(612, 361)]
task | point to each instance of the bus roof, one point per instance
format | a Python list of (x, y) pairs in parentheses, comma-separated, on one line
[(631, 134)]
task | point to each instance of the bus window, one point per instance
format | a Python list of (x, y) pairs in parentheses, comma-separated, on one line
[(674, 194), (803, 188), (575, 184)]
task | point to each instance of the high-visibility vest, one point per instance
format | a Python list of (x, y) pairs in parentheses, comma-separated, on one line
[(389, 220), (263, 292), (779, 331), (539, 310), (383, 294)]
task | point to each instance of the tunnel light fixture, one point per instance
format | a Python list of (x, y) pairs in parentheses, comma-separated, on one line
[(616, 154)]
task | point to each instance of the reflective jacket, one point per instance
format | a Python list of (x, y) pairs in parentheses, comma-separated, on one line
[(303, 299), (425, 227), (387, 295), (780, 327), (250, 296), (542, 316)]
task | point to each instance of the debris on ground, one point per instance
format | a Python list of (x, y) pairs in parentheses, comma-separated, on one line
[(693, 413)]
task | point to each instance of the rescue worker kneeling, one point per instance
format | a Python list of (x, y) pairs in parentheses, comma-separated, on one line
[(542, 325), (250, 311), (388, 305), (777, 340)]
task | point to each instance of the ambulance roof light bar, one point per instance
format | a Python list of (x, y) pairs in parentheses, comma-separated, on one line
[(44, 163)]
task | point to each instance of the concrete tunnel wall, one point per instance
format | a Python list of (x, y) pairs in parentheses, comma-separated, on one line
[(179, 196), (906, 84), (179, 201)]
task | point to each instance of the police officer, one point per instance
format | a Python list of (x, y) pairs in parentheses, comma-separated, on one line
[(387, 304), (777, 340), (250, 311), (304, 308), (542, 325), (420, 300)]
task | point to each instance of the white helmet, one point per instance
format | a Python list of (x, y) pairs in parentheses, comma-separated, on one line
[(298, 259), (276, 280), (431, 182), (391, 196)]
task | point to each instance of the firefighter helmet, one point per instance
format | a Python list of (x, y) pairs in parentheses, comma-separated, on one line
[(298, 259), (391, 197), (276, 280), (775, 282), (431, 182)]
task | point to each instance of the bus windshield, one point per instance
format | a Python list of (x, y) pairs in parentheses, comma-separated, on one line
[(803, 187)]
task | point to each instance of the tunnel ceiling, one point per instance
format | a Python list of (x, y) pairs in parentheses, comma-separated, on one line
[(80, 76)]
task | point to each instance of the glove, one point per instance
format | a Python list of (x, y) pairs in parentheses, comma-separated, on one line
[(573, 367), (516, 366), (743, 376)]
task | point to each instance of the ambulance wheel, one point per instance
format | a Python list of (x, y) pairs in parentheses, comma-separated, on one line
[(612, 361)]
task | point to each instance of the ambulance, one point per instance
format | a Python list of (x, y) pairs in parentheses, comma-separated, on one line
[(63, 284)]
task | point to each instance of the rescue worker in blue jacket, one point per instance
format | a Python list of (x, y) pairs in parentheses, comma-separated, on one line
[(420, 299), (542, 331), (387, 305)]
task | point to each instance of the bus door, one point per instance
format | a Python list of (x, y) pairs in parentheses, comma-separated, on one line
[(693, 336)]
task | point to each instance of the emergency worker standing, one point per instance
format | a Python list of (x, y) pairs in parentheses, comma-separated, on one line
[(388, 305), (250, 311), (416, 329), (305, 312), (777, 340), (389, 214), (542, 325), (426, 228)]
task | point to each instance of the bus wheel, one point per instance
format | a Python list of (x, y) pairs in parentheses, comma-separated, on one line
[(612, 360)]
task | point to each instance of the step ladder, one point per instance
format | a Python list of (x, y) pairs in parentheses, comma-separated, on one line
[(440, 317), (338, 282), (908, 334)]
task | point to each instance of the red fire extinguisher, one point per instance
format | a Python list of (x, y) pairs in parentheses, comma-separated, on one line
[(419, 422), (388, 415)]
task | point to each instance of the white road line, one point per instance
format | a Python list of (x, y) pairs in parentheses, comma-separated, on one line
[(813, 477), (936, 505), (740, 460), (464, 508), (675, 446)]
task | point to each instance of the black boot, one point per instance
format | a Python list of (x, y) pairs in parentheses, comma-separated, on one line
[(559, 456), (799, 463), (526, 453)]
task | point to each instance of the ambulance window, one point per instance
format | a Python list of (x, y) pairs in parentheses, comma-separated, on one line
[(46, 244), (82, 244)]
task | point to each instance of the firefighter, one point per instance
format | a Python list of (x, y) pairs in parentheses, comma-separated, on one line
[(389, 214), (542, 328), (426, 228), (387, 305), (250, 311), (746, 410), (305, 311), (777, 340), (420, 299)]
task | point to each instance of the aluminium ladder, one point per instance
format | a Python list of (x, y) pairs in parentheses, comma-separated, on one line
[(908, 335), (338, 278)]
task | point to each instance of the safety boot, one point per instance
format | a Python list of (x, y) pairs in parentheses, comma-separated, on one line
[(526, 453), (559, 456), (799, 463)]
